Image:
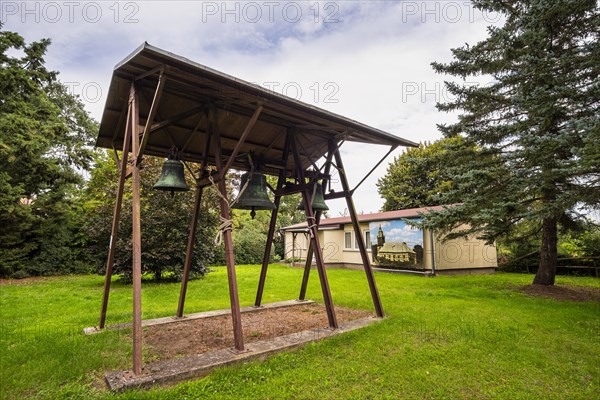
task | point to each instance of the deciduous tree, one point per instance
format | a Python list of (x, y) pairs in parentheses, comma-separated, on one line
[(165, 222), (419, 176)]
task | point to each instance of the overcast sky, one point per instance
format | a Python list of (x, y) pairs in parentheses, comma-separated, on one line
[(366, 60)]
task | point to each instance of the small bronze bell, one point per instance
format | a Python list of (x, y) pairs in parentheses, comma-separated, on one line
[(318, 203), (172, 177), (254, 194)]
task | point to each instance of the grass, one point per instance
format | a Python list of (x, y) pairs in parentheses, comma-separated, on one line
[(454, 337)]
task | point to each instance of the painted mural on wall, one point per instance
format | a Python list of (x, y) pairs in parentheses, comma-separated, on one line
[(395, 244)]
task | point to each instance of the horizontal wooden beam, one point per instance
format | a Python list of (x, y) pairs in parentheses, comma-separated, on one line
[(316, 175), (337, 195), (160, 68), (242, 139), (178, 117)]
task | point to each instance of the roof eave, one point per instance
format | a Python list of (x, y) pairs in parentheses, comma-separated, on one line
[(385, 137)]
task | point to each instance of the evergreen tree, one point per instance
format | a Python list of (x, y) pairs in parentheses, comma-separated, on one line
[(45, 142), (537, 124)]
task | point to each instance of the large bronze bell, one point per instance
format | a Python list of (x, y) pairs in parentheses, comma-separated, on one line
[(172, 177), (318, 203), (253, 195)]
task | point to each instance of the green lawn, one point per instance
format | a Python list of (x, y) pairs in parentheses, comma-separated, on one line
[(472, 337)]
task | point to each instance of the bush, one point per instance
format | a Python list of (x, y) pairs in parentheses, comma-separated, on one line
[(521, 253), (582, 244), (249, 240), (19, 275), (165, 224), (249, 244)]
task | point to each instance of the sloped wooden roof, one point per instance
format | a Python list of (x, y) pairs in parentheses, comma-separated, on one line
[(339, 222), (181, 120)]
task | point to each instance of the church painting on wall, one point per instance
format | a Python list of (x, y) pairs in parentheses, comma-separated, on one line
[(396, 244)]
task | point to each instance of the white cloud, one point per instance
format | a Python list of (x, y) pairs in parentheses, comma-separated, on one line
[(375, 55)]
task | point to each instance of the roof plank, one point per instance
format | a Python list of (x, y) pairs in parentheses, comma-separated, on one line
[(190, 86)]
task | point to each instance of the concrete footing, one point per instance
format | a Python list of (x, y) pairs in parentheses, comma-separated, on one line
[(196, 366), (188, 317)]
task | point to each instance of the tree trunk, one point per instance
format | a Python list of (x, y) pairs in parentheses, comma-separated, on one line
[(548, 254)]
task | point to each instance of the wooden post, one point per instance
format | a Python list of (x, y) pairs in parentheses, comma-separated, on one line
[(190, 250), (359, 236), (192, 233), (153, 109), (314, 237), (309, 253), (236, 316), (272, 226), (294, 234), (308, 262), (137, 238), (270, 234), (116, 218)]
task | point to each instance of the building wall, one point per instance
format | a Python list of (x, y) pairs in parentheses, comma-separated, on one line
[(452, 255), (332, 245), (427, 249), (295, 248), (464, 254), (352, 255)]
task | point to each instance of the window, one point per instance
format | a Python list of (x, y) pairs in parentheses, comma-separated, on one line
[(350, 244), (367, 240), (347, 240)]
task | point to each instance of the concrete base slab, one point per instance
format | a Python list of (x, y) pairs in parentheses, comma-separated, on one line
[(199, 365), (206, 314)]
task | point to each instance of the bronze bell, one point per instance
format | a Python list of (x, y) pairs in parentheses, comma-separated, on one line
[(172, 177), (318, 203), (254, 194)]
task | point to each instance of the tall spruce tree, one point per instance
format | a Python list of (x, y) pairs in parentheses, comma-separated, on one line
[(537, 123)]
